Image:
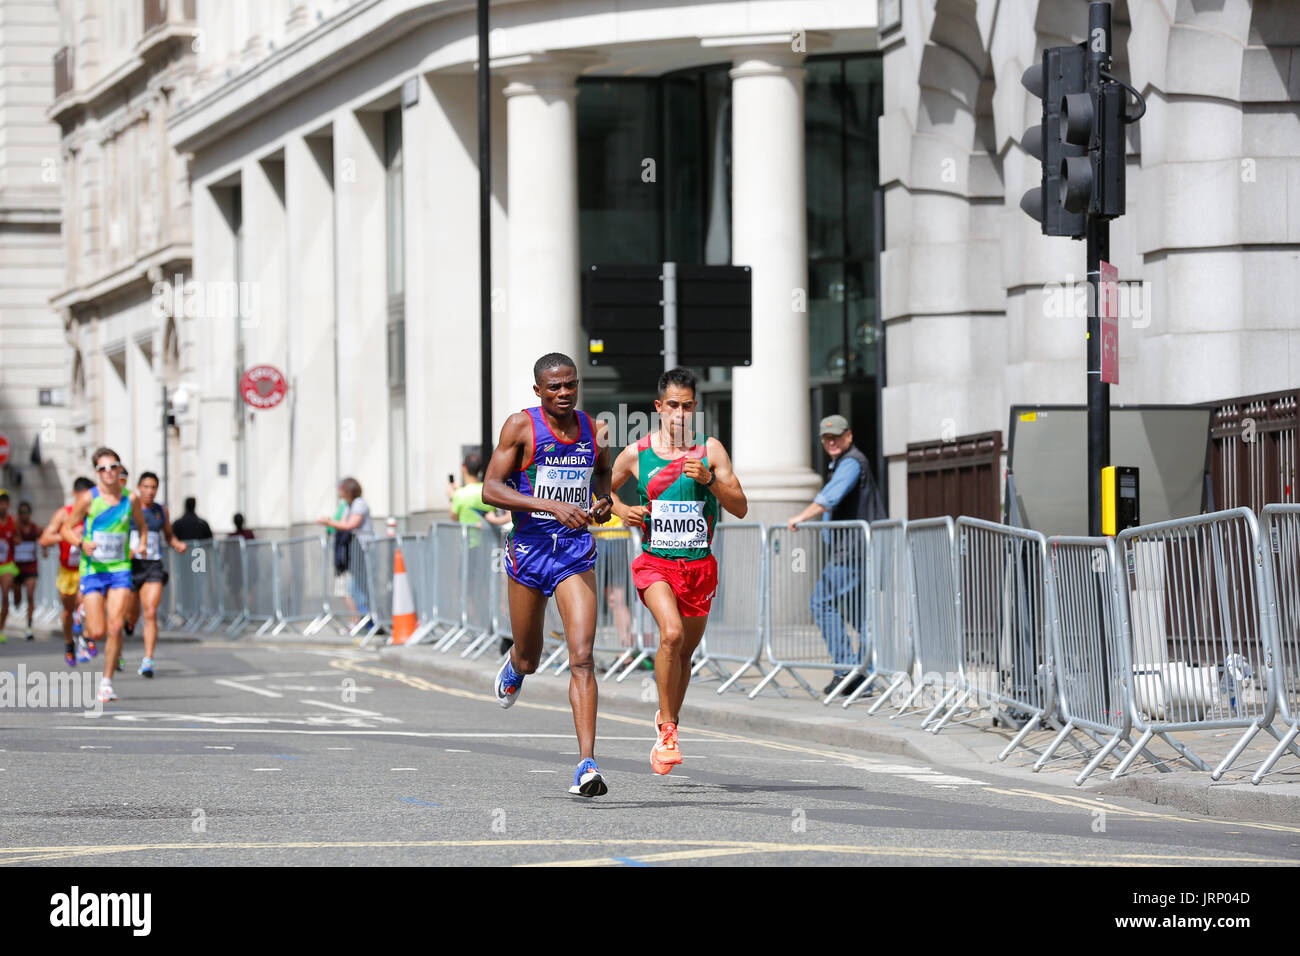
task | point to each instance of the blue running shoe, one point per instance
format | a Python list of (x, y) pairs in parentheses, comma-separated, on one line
[(508, 684), (587, 781), (146, 667)]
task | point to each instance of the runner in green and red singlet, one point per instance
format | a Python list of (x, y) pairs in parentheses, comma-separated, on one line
[(682, 479)]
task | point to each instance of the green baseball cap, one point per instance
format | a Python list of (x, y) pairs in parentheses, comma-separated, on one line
[(834, 425)]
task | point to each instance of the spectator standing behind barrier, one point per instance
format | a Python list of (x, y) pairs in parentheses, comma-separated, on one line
[(242, 532), (189, 526), (850, 494), (467, 498), (350, 575)]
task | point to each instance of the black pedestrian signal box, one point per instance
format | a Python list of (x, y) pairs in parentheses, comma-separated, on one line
[(1119, 499), (648, 318)]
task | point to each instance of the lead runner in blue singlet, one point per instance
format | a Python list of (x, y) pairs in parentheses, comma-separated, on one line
[(546, 466)]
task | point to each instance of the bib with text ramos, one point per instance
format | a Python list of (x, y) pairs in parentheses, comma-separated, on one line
[(683, 513)]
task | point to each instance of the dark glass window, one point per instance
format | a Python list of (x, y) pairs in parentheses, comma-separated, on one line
[(654, 168), (843, 104)]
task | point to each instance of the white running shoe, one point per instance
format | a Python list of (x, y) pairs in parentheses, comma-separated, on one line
[(508, 684), (106, 690)]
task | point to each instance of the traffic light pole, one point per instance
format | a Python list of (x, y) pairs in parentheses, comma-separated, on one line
[(1098, 242)]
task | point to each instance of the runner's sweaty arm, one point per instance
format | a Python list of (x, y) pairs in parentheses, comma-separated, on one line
[(53, 532), (80, 508), (726, 486), (625, 468)]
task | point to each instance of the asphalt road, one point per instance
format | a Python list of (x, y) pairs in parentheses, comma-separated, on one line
[(240, 754)]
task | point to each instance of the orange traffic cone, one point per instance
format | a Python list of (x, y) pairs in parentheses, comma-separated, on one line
[(403, 601)]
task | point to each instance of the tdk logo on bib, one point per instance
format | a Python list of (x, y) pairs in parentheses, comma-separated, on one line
[(678, 525)]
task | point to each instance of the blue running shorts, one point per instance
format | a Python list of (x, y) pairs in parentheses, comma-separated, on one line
[(106, 581), (542, 563)]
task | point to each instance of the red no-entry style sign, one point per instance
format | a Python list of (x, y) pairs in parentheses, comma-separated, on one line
[(262, 386)]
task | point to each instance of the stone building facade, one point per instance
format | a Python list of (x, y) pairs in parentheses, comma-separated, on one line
[(120, 70)]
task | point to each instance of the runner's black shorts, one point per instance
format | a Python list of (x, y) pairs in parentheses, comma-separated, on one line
[(147, 572)]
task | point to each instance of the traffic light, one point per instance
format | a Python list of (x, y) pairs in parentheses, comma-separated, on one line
[(1094, 121), (1062, 73)]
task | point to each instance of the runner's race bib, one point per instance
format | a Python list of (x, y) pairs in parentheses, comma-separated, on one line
[(562, 483), (74, 556), (4, 551), (678, 525), (109, 546), (152, 546), (25, 552)]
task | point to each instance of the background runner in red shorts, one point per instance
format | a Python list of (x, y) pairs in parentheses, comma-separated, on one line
[(682, 479)]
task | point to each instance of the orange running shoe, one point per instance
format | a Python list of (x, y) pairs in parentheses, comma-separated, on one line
[(665, 754)]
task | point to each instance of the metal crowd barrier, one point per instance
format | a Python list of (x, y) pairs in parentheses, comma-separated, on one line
[(735, 631), (482, 548), (1005, 665), (376, 580), (893, 654), (451, 571), (932, 611), (302, 572), (193, 592), (1089, 631), (232, 584), (48, 604), (1203, 641), (627, 628), (818, 580), (262, 598), (1186, 625), (1282, 563)]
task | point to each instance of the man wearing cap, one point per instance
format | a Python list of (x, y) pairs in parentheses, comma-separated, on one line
[(850, 494)]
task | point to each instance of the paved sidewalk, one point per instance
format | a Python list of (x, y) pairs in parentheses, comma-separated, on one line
[(971, 745)]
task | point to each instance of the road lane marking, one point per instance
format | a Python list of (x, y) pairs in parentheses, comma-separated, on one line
[(340, 748), (267, 769), (451, 750), (96, 747), (1080, 802), (357, 711), (403, 768), (29, 854), (341, 732), (252, 690), (216, 747)]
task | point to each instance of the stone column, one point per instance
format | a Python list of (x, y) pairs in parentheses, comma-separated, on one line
[(309, 207), (770, 401), (439, 140), (266, 433), (215, 421), (362, 341), (544, 298)]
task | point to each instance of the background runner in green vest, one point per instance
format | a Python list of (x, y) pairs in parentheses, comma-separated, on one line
[(682, 478), (105, 557)]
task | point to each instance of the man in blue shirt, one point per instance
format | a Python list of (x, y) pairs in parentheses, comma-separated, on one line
[(850, 494)]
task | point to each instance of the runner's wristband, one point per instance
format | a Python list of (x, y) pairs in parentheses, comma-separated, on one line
[(713, 476)]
